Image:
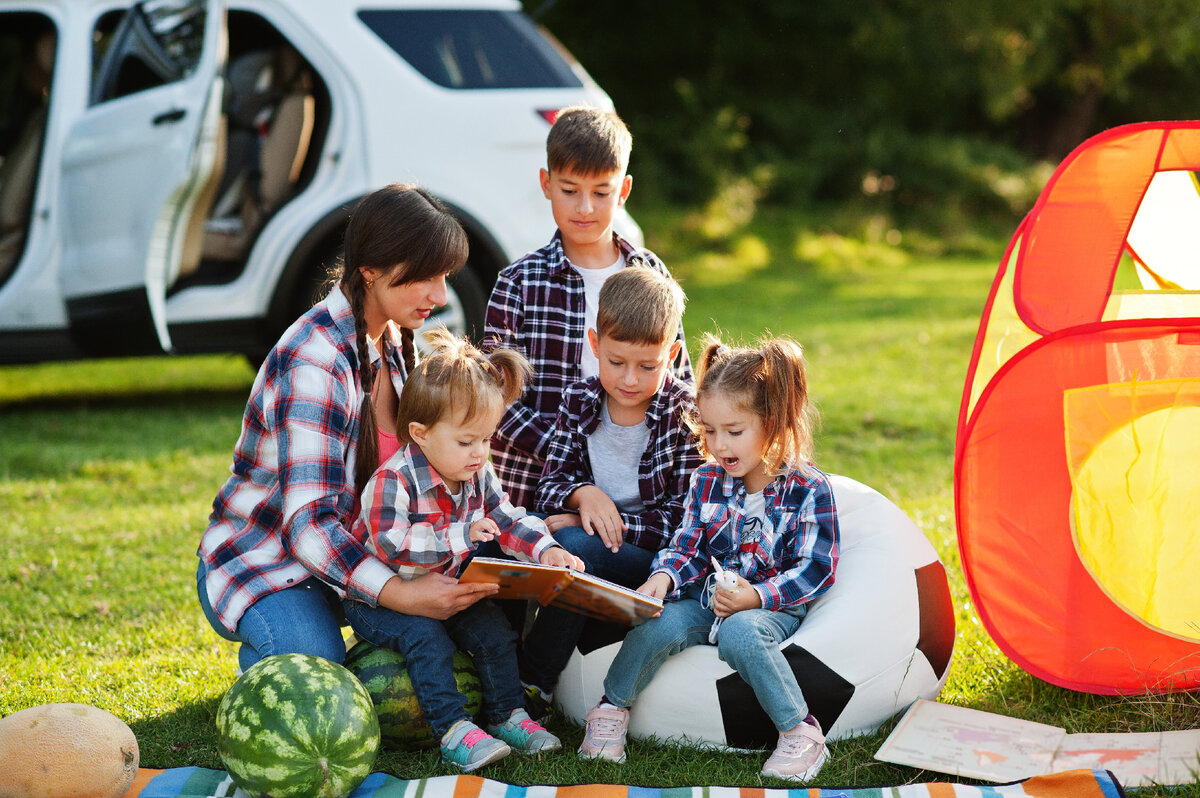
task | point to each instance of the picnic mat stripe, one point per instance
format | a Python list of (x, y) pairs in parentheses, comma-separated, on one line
[(193, 782)]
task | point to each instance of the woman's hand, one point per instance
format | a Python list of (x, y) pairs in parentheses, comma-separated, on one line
[(433, 595), (560, 557), (727, 602)]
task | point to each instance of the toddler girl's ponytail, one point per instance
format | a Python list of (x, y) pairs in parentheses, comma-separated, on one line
[(788, 417), (512, 371)]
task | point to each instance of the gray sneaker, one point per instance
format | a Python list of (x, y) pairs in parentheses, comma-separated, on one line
[(605, 734), (800, 753), (524, 734), (468, 747)]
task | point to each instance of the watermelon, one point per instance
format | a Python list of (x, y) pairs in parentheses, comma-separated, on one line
[(401, 722), (297, 725)]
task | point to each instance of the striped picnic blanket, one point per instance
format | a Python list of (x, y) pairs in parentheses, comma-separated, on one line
[(204, 783)]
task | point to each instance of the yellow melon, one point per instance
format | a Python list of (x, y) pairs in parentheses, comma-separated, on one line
[(66, 751)]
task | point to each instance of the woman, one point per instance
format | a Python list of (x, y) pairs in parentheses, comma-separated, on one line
[(319, 420)]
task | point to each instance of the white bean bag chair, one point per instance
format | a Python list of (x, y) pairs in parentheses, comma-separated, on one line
[(876, 641)]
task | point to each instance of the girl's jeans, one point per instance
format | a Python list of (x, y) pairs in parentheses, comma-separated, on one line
[(304, 619), (555, 632), (428, 647), (748, 641)]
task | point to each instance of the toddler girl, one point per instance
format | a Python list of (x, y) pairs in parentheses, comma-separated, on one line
[(760, 511), (427, 508)]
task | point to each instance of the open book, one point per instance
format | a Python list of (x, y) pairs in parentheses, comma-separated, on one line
[(983, 745), (572, 590)]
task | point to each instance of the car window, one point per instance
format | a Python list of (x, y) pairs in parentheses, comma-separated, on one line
[(156, 42), (473, 49)]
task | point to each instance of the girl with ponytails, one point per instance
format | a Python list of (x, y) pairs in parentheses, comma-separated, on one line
[(428, 508), (758, 541), (278, 554)]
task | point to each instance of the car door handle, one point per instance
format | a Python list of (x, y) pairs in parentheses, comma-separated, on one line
[(168, 117)]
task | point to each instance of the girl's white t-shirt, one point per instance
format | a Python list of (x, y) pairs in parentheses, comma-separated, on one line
[(593, 281)]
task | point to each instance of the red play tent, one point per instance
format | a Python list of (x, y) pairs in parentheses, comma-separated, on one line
[(1077, 465)]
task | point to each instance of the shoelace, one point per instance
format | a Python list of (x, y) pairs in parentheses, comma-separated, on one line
[(795, 745), (530, 726), (604, 728), (473, 736)]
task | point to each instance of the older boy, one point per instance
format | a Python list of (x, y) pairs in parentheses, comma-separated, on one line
[(620, 457), (543, 303)]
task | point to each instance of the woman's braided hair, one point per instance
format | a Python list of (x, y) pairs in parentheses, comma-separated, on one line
[(409, 236)]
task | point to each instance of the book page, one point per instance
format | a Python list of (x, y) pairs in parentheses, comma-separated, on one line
[(971, 743), (1138, 759), (517, 579), (984, 745), (598, 598)]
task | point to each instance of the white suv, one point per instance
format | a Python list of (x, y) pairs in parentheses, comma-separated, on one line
[(175, 175)]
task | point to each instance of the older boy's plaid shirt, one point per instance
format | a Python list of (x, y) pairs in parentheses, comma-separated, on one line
[(282, 515), (792, 561), (409, 519), (537, 308), (664, 468)]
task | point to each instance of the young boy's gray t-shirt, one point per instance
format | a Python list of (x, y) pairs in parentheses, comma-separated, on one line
[(614, 452)]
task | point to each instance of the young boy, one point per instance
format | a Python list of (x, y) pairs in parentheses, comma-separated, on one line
[(542, 304), (620, 458)]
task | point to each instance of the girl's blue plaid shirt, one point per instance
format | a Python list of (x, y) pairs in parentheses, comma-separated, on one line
[(792, 560)]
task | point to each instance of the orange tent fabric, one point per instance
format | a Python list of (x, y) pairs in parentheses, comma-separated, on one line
[(1076, 479)]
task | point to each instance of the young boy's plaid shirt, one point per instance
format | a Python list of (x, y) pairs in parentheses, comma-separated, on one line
[(410, 520), (537, 308), (792, 561), (282, 515), (664, 468)]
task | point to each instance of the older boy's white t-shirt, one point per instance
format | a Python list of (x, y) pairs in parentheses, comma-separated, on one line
[(593, 281)]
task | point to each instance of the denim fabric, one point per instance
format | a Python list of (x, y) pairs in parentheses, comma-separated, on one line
[(749, 642), (555, 632), (428, 647), (305, 619)]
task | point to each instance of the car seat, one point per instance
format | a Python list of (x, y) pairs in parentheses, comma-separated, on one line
[(271, 112), (19, 169)]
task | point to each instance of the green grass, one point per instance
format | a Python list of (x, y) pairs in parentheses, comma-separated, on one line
[(108, 469)]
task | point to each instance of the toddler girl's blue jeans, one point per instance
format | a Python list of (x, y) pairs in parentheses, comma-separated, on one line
[(555, 632), (304, 619), (748, 642), (428, 647)]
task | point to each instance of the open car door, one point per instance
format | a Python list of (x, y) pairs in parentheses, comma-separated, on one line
[(136, 168)]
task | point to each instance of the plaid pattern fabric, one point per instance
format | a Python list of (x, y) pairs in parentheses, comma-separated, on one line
[(664, 469), (537, 308), (281, 517), (410, 520), (793, 559)]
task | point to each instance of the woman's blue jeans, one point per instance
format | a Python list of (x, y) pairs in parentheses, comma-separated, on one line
[(428, 647), (304, 619), (748, 641), (555, 632)]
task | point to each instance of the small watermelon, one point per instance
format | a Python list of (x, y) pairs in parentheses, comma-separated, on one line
[(401, 722), (297, 725)]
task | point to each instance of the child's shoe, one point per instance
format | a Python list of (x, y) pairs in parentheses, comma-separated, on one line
[(605, 734), (468, 747), (524, 734), (538, 702), (800, 753)]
